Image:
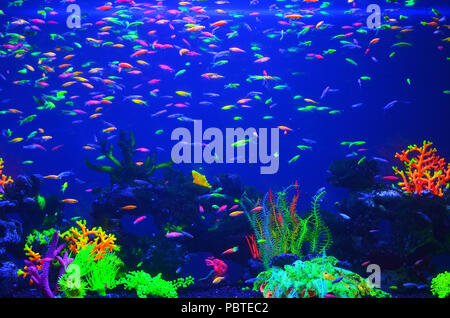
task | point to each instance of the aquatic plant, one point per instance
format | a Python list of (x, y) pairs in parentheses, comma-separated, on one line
[(41, 201), (91, 275), (318, 277), (4, 180), (145, 284), (101, 241), (440, 285), (253, 246), (126, 170), (425, 171), (279, 229)]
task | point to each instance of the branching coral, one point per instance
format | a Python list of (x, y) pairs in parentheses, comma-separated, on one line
[(425, 171), (318, 277), (4, 180), (101, 241), (279, 229), (94, 267), (126, 170), (440, 285), (145, 284), (39, 268)]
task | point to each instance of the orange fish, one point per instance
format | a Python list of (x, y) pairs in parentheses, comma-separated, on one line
[(69, 201), (128, 207)]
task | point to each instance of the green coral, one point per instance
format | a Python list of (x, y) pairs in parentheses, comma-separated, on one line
[(94, 275), (41, 201), (318, 277), (440, 285), (126, 170), (41, 237), (71, 289), (145, 284)]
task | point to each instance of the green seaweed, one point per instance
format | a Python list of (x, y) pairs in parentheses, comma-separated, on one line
[(126, 170)]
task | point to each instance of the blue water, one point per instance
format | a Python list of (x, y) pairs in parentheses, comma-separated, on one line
[(420, 113)]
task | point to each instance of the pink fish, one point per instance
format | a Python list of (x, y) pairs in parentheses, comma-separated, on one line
[(143, 149), (201, 209), (174, 234), (139, 219), (222, 208)]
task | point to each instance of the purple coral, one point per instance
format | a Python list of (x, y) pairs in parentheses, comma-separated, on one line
[(40, 277)]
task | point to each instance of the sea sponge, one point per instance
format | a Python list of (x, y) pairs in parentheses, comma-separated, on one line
[(440, 285)]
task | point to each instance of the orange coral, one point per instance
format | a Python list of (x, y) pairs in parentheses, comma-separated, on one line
[(102, 242), (425, 171), (32, 257), (4, 179)]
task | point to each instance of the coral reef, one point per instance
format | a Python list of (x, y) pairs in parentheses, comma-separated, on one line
[(101, 241), (145, 284), (423, 172), (4, 180), (318, 277), (440, 285), (39, 268)]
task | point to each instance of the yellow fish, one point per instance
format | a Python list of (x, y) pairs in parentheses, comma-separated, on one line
[(139, 101), (218, 279), (183, 93), (200, 179), (16, 140)]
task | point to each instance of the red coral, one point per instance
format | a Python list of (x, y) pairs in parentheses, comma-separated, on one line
[(425, 171), (220, 268), (253, 246)]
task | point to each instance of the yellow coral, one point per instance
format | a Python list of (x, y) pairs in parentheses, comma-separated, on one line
[(102, 242)]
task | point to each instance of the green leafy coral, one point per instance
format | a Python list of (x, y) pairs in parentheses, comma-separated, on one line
[(279, 229), (145, 284), (93, 275), (319, 277), (440, 285), (126, 170)]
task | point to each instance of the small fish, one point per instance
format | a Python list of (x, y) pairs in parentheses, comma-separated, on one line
[(128, 207), (139, 219), (69, 201), (345, 216), (236, 213), (231, 250), (174, 234), (365, 263), (218, 279)]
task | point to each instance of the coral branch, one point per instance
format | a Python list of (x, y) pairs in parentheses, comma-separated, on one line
[(425, 171)]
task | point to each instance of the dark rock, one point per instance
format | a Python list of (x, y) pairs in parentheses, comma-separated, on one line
[(347, 173), (10, 234), (8, 279), (283, 259)]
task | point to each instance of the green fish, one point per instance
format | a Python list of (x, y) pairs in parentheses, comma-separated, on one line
[(64, 187), (294, 159)]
